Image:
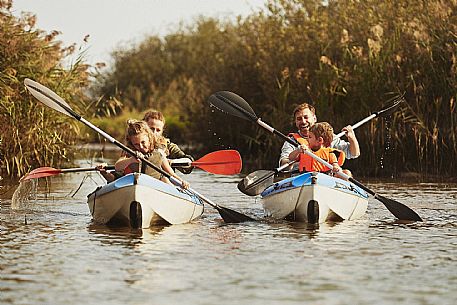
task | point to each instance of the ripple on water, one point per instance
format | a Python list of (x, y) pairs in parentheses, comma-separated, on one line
[(59, 256)]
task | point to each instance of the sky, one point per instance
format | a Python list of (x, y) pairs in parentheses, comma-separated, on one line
[(115, 23)]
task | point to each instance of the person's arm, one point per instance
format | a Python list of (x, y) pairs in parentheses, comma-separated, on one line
[(286, 149), (123, 162), (174, 152), (344, 146), (167, 168), (295, 154), (354, 147), (109, 177), (334, 162)]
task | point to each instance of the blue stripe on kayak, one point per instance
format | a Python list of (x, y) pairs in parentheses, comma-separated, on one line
[(306, 179)]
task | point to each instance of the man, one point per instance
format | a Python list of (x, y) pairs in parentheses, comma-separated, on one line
[(156, 122), (304, 118)]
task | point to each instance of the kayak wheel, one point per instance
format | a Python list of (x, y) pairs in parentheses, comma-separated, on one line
[(313, 211), (135, 215)]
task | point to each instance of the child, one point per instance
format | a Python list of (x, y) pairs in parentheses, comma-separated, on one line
[(319, 139), (141, 139)]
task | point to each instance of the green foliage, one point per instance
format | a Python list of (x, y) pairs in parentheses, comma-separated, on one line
[(31, 135), (115, 126), (346, 57)]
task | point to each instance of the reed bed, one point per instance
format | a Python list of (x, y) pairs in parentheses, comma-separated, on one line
[(348, 58), (31, 135)]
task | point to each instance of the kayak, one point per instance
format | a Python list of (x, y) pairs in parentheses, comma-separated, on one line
[(314, 198), (141, 201)]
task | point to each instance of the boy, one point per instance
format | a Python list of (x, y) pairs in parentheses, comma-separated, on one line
[(318, 142)]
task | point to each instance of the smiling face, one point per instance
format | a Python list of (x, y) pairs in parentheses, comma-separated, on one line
[(156, 126), (304, 119), (141, 142)]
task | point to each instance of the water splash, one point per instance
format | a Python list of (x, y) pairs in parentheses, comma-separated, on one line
[(25, 193), (386, 160)]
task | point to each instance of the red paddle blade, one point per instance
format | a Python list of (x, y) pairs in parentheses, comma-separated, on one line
[(41, 172), (222, 162)]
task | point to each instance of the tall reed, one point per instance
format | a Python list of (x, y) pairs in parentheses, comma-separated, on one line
[(31, 135)]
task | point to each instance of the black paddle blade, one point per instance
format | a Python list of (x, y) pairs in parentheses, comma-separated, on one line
[(398, 209), (389, 110), (254, 183), (231, 216), (233, 104)]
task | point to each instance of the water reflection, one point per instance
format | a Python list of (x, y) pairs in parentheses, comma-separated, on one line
[(110, 230), (119, 234)]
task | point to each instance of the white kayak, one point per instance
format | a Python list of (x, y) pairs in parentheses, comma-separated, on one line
[(140, 201), (314, 198)]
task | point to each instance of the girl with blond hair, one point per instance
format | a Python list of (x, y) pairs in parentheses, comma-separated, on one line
[(146, 144)]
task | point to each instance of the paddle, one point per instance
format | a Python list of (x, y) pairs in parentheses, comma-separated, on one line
[(254, 183), (52, 100), (381, 113), (222, 162), (42, 172), (233, 104)]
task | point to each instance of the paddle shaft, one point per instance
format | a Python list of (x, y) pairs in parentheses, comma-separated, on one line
[(196, 163), (83, 169), (357, 124), (264, 178), (126, 149), (382, 112), (55, 171)]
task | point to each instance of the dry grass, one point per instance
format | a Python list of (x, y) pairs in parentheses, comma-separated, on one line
[(30, 134)]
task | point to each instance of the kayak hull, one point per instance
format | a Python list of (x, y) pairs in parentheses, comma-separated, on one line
[(140, 201), (314, 198)]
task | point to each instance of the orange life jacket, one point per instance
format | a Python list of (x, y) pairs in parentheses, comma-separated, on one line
[(299, 138), (308, 164)]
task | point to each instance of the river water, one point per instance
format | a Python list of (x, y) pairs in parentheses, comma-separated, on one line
[(51, 252)]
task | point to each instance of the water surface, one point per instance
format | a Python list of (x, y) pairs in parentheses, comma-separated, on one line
[(51, 252)]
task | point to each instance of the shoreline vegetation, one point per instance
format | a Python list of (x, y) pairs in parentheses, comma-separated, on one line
[(108, 150), (347, 58)]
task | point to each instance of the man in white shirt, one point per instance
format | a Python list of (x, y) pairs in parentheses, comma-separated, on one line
[(305, 117)]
